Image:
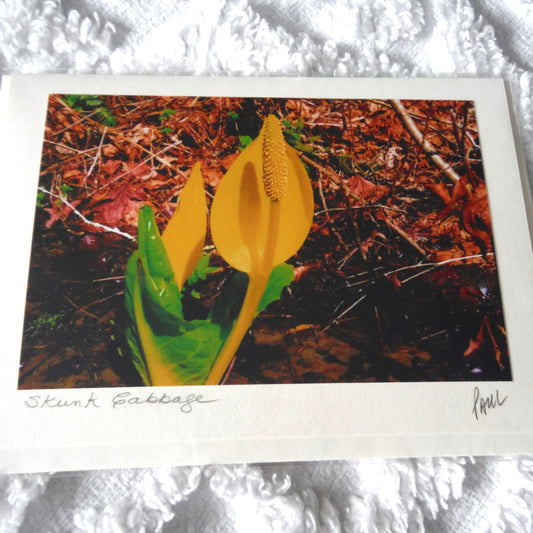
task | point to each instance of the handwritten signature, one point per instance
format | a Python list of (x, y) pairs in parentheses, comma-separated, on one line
[(483, 404)]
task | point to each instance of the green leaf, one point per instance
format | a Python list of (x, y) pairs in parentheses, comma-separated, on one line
[(226, 307), (192, 354), (132, 289), (130, 280), (280, 277), (202, 270), (245, 140), (137, 356), (166, 113), (228, 304), (166, 348), (175, 356), (106, 118), (162, 304), (162, 296), (93, 104), (151, 248), (70, 99)]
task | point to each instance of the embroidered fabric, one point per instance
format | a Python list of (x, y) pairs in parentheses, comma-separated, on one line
[(284, 37)]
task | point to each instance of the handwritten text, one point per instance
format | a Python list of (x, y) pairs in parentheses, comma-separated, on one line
[(482, 404), (51, 401), (185, 402)]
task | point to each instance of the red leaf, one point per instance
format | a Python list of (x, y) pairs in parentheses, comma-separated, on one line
[(120, 208), (59, 211), (366, 189), (111, 166), (484, 335), (441, 190), (394, 278), (476, 343)]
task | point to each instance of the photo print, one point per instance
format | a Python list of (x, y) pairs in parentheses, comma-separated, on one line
[(233, 240)]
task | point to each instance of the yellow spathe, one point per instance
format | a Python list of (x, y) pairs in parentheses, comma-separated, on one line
[(184, 236), (241, 214)]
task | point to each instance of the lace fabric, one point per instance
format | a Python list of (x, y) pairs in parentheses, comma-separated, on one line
[(265, 37)]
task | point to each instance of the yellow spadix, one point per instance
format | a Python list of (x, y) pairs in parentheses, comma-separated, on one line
[(184, 236), (261, 215)]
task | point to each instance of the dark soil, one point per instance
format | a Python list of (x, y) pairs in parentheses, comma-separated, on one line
[(74, 316)]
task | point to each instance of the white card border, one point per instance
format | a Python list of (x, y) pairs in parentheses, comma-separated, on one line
[(256, 423)]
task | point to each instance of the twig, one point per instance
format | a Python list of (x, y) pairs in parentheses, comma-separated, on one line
[(82, 119), (85, 219), (440, 263), (112, 278), (342, 263), (95, 159), (338, 181), (144, 161), (328, 217), (99, 301), (431, 335), (430, 269), (332, 175), (323, 211), (418, 116), (428, 148), (428, 266), (405, 236), (366, 207), (78, 308), (69, 148), (347, 310), (321, 192), (333, 124)]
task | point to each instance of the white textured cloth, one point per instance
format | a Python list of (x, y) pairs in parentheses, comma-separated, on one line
[(287, 37)]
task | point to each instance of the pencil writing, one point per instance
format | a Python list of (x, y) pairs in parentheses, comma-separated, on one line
[(483, 404)]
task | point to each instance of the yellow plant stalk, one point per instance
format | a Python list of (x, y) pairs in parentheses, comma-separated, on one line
[(184, 236), (261, 215)]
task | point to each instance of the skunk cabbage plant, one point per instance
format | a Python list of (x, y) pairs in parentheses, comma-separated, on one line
[(261, 215)]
